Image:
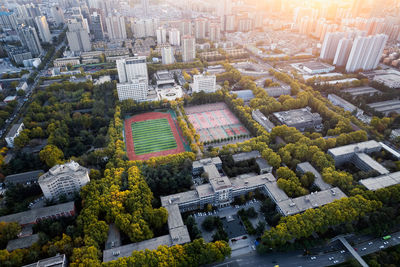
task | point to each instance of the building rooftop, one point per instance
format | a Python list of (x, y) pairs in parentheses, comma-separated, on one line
[(70, 167), (313, 65), (355, 91), (296, 116), (174, 216), (382, 181), (262, 163), (313, 200), (307, 167), (245, 95), (56, 261), (220, 183), (246, 156), (386, 106), (204, 190), (22, 242), (212, 171), (183, 197), (13, 130), (354, 148), (372, 164), (208, 161), (30, 216), (342, 102), (264, 121), (22, 178)]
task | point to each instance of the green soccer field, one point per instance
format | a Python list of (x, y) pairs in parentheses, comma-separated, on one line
[(152, 136)]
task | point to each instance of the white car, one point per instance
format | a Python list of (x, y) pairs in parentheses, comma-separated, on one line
[(331, 258), (336, 261), (382, 246), (342, 251), (364, 249), (313, 258), (370, 243)]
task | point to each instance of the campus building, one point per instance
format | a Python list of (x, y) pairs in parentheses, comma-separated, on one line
[(65, 179), (204, 83), (136, 90), (301, 118), (15, 130)]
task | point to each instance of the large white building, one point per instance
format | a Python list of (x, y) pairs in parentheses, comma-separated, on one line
[(189, 48), (43, 27), (200, 28), (366, 52), (330, 45), (174, 37), (204, 83), (63, 180), (131, 68), (136, 89), (116, 27), (78, 37), (161, 33), (167, 54), (343, 52)]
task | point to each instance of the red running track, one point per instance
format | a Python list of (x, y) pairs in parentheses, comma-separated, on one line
[(130, 148)]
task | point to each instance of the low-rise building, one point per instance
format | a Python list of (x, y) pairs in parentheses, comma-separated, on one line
[(22, 242), (386, 107), (262, 120), (376, 183), (301, 118), (338, 101), (56, 261), (136, 90), (65, 61), (25, 178), (313, 67), (364, 90), (15, 130), (391, 80), (345, 153), (164, 77), (204, 83), (277, 91), (63, 180)]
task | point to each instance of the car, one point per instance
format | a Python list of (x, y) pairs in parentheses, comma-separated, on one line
[(331, 258), (313, 258), (370, 243), (364, 249), (342, 251), (336, 261), (253, 247), (386, 242), (382, 246)]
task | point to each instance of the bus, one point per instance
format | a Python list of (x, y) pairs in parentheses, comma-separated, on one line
[(386, 237)]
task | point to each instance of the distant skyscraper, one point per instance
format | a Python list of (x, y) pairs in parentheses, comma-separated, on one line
[(366, 52), (30, 40), (330, 45), (200, 27), (174, 37), (43, 28), (116, 27), (188, 48), (57, 14), (145, 6), (96, 26), (343, 52), (167, 54), (131, 68), (161, 33), (356, 7), (78, 37)]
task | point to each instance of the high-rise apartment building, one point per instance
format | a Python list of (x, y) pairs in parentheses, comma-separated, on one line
[(116, 27), (30, 40), (8, 20), (145, 6), (78, 37), (63, 180), (167, 54), (57, 14), (43, 28), (131, 68), (174, 37), (96, 26), (188, 48), (343, 52), (330, 45), (200, 28), (366, 52), (161, 33), (204, 83), (186, 27), (215, 32)]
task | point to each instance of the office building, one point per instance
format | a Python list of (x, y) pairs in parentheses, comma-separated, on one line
[(132, 68), (161, 33), (43, 27), (164, 77), (330, 45), (15, 130), (301, 119), (8, 20), (136, 89), (204, 83), (167, 54), (366, 52), (189, 48), (78, 37), (174, 37), (63, 180), (342, 52), (116, 27), (200, 28), (57, 14), (30, 40), (96, 26)]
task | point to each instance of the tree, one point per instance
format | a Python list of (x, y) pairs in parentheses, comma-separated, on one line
[(51, 155), (208, 224), (8, 231), (307, 179)]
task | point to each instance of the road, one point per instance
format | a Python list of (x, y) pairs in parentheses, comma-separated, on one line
[(296, 258)]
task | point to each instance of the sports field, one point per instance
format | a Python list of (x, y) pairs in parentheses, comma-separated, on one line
[(152, 136)]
